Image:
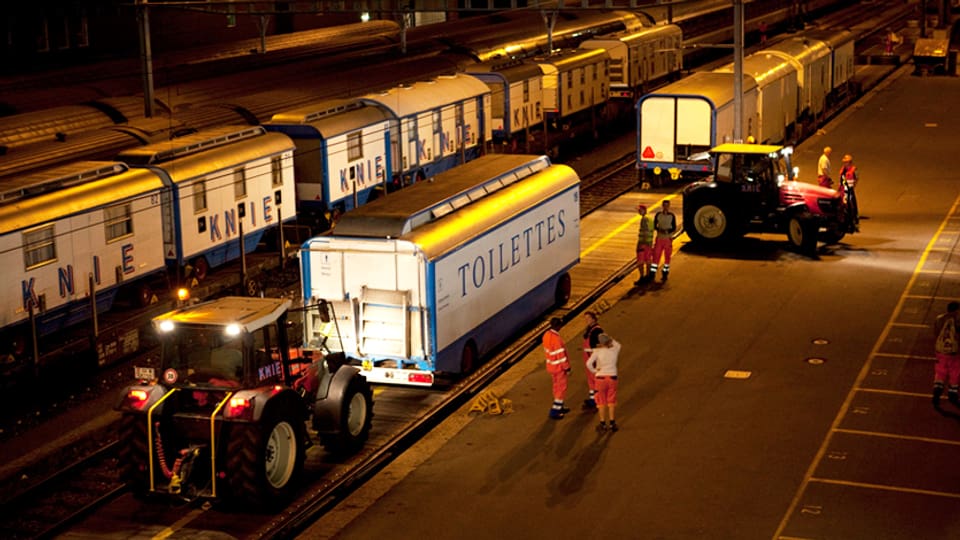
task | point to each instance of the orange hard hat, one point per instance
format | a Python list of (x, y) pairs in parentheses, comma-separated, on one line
[(847, 158), (641, 207)]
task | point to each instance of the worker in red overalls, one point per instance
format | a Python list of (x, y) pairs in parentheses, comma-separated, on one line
[(664, 224), (590, 340), (558, 366)]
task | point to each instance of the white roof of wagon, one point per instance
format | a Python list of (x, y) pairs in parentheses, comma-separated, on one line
[(408, 100)]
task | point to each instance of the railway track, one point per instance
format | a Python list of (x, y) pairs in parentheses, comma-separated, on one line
[(65, 497)]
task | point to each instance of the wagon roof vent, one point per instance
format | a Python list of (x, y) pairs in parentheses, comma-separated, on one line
[(190, 144)]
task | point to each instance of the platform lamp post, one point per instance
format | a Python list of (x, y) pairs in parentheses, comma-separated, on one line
[(146, 57), (738, 71)]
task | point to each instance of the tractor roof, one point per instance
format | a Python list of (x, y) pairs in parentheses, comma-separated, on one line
[(743, 148), (250, 313)]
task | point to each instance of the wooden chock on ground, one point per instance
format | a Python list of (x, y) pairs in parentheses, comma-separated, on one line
[(490, 403)]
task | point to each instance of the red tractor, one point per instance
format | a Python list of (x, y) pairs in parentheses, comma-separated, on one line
[(753, 189), (226, 414)]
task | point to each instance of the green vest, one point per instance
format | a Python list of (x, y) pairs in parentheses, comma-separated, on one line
[(645, 232)]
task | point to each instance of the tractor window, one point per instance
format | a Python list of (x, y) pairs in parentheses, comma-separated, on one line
[(724, 166), (759, 170), (203, 355), (266, 354)]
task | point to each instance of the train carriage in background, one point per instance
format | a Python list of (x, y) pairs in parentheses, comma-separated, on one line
[(220, 183), (576, 87), (71, 237), (516, 97), (811, 58), (777, 95), (438, 124), (688, 117), (640, 58), (432, 278), (842, 60), (343, 155)]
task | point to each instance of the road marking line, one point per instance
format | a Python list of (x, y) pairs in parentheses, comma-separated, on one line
[(882, 487), (893, 392), (910, 325), (897, 436), (864, 371), (176, 526), (906, 356)]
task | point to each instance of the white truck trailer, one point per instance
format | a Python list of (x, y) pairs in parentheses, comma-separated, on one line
[(431, 279)]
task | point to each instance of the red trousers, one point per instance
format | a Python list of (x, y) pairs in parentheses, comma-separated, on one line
[(947, 369), (559, 385), (662, 246)]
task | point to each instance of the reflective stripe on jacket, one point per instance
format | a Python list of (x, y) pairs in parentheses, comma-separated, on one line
[(556, 351)]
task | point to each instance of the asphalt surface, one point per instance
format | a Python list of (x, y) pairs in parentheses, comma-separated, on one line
[(832, 434)]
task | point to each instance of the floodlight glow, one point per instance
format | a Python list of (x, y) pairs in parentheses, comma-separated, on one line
[(233, 329), (364, 16), (166, 326)]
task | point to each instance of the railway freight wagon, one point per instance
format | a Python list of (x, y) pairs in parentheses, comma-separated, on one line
[(70, 237), (689, 117), (641, 57), (343, 155), (516, 97), (221, 182), (431, 279), (435, 125), (576, 83), (777, 88)]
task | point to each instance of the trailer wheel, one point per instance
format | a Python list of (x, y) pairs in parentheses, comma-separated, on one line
[(802, 233), (562, 294), (264, 460), (132, 454), (468, 358), (356, 416)]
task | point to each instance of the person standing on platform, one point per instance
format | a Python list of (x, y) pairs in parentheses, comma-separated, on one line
[(763, 32), (947, 350), (558, 366), (603, 364), (644, 246), (591, 339), (823, 168), (848, 183), (665, 224)]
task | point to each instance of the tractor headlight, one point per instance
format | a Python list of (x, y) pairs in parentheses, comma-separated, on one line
[(166, 326)]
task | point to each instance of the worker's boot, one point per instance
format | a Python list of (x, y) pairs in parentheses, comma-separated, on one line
[(589, 404), (937, 392), (952, 396), (556, 414)]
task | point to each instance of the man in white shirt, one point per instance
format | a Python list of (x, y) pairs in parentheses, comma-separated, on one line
[(603, 364), (823, 168)]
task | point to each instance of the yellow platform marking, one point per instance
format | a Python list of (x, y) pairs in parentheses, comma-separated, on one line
[(864, 372), (619, 229)]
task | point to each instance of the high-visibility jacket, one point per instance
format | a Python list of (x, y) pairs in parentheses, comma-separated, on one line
[(645, 232), (556, 352)]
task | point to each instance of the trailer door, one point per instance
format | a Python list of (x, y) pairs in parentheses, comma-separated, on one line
[(384, 331)]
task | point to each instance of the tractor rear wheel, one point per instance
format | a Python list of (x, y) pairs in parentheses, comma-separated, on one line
[(708, 224), (265, 459)]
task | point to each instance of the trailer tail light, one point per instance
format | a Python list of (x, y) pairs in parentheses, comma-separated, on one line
[(239, 407), (136, 399), (421, 378)]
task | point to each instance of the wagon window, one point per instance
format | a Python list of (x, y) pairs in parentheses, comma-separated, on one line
[(39, 247), (117, 221), (199, 196), (276, 171), (240, 183), (355, 146)]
